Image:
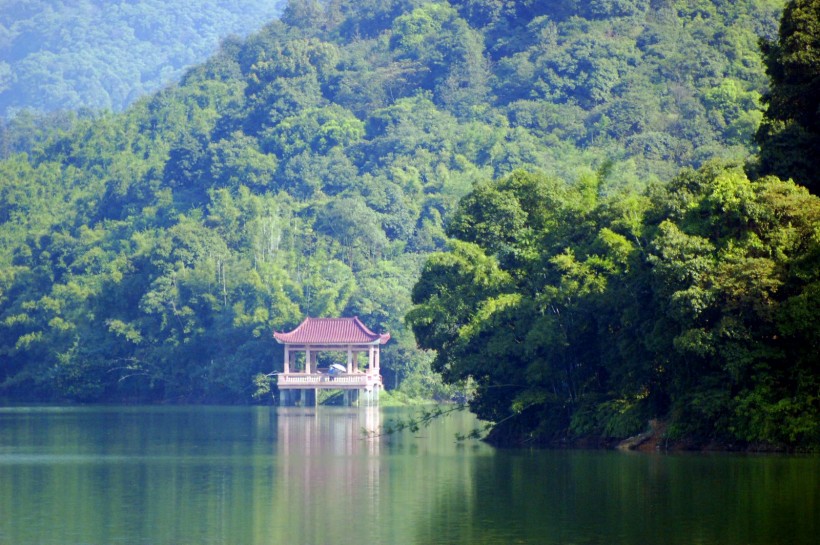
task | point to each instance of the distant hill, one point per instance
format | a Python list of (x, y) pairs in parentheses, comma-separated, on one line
[(311, 168), (104, 54)]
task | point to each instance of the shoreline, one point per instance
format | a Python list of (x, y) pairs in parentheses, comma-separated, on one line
[(654, 440)]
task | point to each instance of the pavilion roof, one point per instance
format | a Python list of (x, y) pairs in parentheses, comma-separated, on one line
[(331, 331)]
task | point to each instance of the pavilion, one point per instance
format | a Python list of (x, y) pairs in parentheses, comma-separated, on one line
[(301, 376)]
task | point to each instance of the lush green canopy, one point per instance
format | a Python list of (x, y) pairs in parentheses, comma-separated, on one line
[(105, 54), (789, 136), (576, 316), (312, 168)]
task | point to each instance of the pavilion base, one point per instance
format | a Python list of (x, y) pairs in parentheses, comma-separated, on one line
[(297, 398), (369, 398), (361, 398), (307, 397), (351, 398)]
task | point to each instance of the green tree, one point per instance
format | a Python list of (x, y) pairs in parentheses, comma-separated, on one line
[(789, 136), (729, 259), (581, 315)]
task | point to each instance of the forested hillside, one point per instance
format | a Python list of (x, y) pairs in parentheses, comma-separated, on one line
[(312, 169), (693, 305), (104, 54)]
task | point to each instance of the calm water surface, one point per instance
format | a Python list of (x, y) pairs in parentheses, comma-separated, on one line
[(215, 475)]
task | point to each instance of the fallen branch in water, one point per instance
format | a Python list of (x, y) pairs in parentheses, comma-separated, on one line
[(414, 423)]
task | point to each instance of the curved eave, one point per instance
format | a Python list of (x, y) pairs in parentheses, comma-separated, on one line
[(383, 339), (331, 332)]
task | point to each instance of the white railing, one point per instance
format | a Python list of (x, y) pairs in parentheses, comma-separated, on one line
[(321, 380)]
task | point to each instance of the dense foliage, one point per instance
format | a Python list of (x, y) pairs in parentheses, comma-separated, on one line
[(579, 313), (789, 136), (57, 54), (312, 168), (590, 315)]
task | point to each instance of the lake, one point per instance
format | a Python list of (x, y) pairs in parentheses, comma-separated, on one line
[(262, 475)]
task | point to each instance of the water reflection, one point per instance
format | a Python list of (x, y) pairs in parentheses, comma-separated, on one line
[(329, 475), (215, 475), (555, 497)]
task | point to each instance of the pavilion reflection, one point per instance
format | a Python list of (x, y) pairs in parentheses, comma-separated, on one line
[(303, 432), (324, 461)]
